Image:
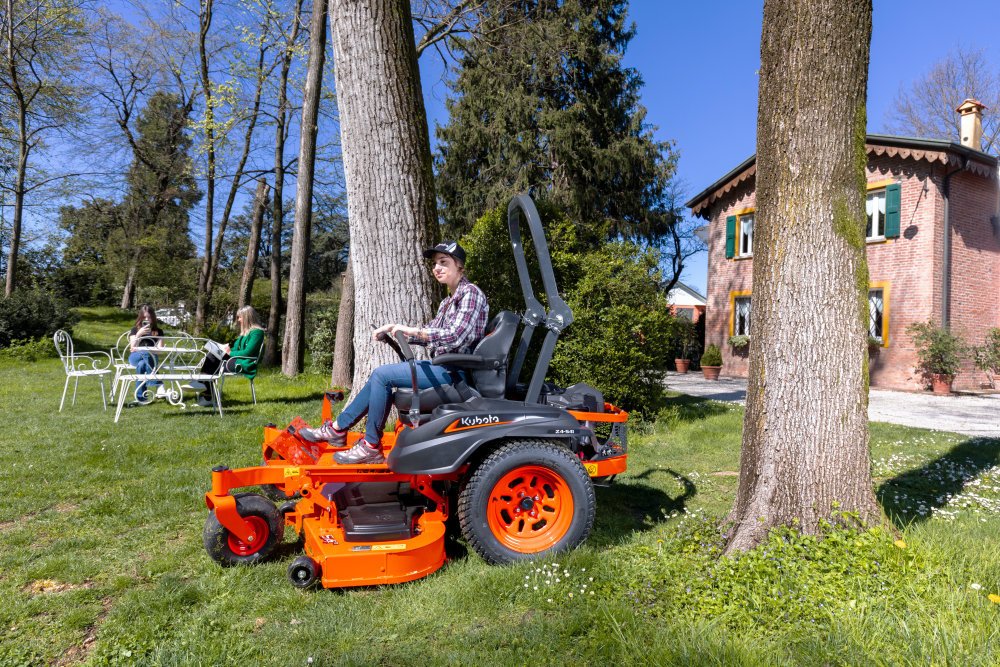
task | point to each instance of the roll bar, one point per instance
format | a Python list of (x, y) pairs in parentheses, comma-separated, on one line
[(559, 315)]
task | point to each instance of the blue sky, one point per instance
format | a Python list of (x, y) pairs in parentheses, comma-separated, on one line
[(699, 62)]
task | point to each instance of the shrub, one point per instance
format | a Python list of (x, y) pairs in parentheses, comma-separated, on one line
[(939, 351), (321, 322), (28, 350), (739, 342), (988, 356), (687, 339), (623, 334), (31, 314), (712, 356)]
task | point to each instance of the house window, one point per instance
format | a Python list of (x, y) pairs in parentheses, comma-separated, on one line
[(875, 212), (741, 316), (745, 223), (876, 315)]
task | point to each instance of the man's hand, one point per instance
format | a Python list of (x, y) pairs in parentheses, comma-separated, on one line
[(412, 332), (383, 330)]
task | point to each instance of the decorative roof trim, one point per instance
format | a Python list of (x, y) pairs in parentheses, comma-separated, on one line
[(907, 148)]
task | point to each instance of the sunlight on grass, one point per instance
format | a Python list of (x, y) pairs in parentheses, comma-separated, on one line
[(101, 560)]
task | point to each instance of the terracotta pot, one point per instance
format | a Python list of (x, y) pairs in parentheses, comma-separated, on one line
[(941, 384), (683, 365), (711, 372)]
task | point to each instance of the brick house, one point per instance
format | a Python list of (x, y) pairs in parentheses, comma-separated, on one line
[(933, 245)]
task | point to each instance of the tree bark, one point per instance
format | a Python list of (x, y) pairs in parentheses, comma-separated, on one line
[(250, 267), (128, 293), (272, 354), (387, 168), (343, 345), (294, 353), (805, 454)]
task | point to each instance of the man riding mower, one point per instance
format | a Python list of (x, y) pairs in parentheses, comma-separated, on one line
[(515, 462)]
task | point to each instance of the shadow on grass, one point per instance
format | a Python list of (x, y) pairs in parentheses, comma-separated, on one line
[(911, 497), (686, 408), (623, 509)]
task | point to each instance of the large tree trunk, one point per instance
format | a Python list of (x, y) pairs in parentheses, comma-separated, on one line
[(343, 345), (250, 267), (805, 454), (387, 168), (205, 22), (294, 353), (272, 354), (128, 293)]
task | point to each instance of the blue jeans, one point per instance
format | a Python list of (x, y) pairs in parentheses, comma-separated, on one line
[(375, 397), (144, 362)]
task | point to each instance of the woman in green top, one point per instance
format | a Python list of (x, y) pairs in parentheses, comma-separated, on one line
[(241, 355)]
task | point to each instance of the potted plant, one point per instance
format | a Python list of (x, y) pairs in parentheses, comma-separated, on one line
[(711, 362), (939, 353), (687, 338), (740, 344)]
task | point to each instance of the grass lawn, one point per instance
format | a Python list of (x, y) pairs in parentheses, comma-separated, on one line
[(101, 560)]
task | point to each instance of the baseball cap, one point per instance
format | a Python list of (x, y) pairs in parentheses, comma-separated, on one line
[(449, 248)]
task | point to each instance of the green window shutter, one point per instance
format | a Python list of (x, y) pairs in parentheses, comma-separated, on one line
[(892, 211), (731, 236)]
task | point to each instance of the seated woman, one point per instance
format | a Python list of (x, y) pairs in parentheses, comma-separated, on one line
[(457, 327), (240, 355), (144, 337)]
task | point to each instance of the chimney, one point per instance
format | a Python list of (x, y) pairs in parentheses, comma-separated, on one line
[(972, 123)]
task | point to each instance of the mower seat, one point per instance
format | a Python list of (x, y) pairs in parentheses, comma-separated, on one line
[(485, 370)]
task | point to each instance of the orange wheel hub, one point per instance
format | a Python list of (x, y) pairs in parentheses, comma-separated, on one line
[(530, 509)]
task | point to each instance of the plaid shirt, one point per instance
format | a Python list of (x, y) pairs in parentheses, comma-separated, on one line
[(460, 321)]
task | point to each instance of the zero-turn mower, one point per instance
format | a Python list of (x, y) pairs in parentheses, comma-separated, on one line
[(515, 463)]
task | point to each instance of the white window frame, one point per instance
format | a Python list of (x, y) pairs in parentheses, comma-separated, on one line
[(737, 329), (875, 212), (744, 234)]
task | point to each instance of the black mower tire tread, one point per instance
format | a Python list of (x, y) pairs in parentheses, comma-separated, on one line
[(215, 535), (471, 500)]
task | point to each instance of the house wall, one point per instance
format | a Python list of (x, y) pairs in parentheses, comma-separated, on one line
[(909, 268), (974, 306)]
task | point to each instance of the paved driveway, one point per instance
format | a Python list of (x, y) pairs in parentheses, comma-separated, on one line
[(975, 415)]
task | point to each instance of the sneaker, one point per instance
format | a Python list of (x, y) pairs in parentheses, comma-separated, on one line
[(325, 433), (162, 391), (205, 402), (194, 385), (360, 453)]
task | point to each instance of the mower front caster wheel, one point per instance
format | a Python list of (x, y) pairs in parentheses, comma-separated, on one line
[(303, 572), (263, 519), (527, 499)]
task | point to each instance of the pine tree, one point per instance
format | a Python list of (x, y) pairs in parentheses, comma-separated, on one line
[(543, 103)]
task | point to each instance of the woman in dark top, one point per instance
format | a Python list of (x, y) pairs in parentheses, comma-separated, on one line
[(143, 337)]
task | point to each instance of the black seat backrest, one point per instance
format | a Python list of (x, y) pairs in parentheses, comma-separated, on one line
[(495, 346)]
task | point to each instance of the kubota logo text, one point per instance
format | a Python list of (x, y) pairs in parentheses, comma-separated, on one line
[(477, 421)]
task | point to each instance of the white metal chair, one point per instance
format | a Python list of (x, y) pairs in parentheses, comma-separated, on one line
[(80, 364), (238, 373), (119, 358)]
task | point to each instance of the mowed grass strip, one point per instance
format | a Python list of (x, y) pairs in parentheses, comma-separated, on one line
[(101, 560)]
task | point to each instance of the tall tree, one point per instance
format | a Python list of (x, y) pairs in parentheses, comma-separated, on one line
[(387, 167), (253, 246), (343, 353), (282, 113), (805, 454), (39, 40), (927, 108), (543, 102), (294, 348)]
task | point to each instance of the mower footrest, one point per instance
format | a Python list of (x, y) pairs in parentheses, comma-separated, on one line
[(375, 522)]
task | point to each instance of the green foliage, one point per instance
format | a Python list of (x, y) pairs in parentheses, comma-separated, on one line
[(622, 335), (321, 322), (939, 351), (545, 104), (32, 313), (28, 350), (687, 338), (739, 342), (712, 356), (988, 355)]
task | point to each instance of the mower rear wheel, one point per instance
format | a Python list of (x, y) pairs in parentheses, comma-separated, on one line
[(261, 516), (526, 499)]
